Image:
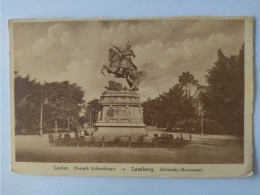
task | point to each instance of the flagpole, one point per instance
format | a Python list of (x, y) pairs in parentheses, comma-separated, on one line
[(41, 116), (201, 120), (42, 102)]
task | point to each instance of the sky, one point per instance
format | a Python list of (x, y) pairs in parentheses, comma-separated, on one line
[(76, 50)]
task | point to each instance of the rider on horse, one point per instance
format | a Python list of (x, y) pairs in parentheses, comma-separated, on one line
[(126, 55), (121, 66)]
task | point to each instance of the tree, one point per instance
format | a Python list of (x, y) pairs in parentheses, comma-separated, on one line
[(182, 95), (186, 78), (64, 99), (151, 111), (92, 109), (177, 102), (224, 99), (27, 100)]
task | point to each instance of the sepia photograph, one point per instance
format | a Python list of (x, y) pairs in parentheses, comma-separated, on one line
[(132, 97)]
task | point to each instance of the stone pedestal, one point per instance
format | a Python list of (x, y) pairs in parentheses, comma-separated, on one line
[(121, 115)]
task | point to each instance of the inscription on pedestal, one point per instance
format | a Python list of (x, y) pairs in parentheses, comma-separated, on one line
[(118, 112)]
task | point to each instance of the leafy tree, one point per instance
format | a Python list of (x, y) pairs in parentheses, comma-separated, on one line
[(182, 96), (224, 98), (177, 102), (63, 100), (27, 102), (92, 109), (152, 111), (187, 78)]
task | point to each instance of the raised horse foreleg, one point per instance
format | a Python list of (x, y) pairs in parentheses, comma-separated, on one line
[(109, 69)]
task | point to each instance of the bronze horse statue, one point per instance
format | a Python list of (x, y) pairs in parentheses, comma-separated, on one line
[(128, 70)]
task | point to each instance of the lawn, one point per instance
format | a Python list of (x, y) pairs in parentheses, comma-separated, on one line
[(205, 149)]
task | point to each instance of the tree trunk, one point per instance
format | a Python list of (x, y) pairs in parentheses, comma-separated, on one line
[(56, 126)]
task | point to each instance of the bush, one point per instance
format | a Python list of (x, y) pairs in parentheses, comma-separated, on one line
[(141, 139), (213, 127), (92, 139), (117, 140)]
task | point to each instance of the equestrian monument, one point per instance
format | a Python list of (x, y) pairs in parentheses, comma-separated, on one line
[(121, 112)]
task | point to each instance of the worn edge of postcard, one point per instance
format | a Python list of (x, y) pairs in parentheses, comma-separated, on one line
[(209, 170)]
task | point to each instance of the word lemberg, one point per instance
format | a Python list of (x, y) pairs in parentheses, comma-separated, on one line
[(143, 169)]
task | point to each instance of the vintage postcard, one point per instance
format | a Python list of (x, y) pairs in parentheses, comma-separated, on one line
[(149, 97)]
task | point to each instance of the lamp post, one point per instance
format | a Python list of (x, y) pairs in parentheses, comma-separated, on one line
[(90, 116), (42, 102), (201, 91), (201, 117), (40, 134)]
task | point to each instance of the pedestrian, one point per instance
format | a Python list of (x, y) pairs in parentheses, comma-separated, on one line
[(181, 138), (129, 141), (103, 141), (77, 138)]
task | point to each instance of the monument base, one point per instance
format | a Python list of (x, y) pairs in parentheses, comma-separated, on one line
[(112, 131), (121, 115)]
